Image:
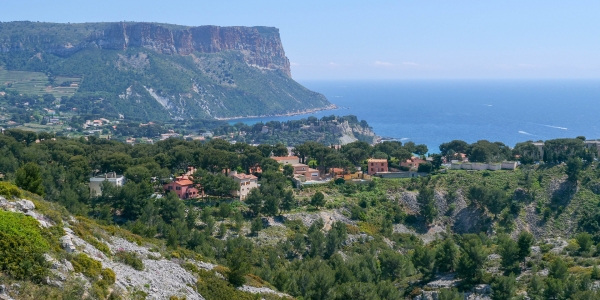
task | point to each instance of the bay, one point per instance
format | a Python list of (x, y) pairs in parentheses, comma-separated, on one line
[(432, 112)]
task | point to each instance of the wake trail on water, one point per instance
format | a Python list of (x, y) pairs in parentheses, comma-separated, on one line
[(557, 127), (525, 133)]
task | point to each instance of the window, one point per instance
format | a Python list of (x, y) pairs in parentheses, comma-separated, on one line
[(372, 164), (178, 188), (170, 188), (382, 164)]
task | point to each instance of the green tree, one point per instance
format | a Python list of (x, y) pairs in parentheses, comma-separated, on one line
[(29, 178), (536, 288), (425, 167), (222, 230), (316, 239), (224, 210), (509, 251), (335, 237), (584, 240), (574, 167), (558, 269), (289, 202), (424, 260), (504, 287), (238, 262), (446, 255), (427, 203), (394, 265), (256, 225), (317, 200), (472, 259), (254, 200), (271, 205), (436, 161), (524, 241), (288, 170)]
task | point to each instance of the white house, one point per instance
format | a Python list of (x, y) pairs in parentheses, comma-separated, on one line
[(245, 184), (111, 177)]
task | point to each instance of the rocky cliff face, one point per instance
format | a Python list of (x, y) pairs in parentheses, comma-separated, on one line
[(170, 71), (261, 46)]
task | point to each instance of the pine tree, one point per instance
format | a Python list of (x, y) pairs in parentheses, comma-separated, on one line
[(318, 199)]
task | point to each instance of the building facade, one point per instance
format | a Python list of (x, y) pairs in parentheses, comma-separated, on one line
[(376, 165), (183, 187), (111, 177), (245, 184), (286, 160)]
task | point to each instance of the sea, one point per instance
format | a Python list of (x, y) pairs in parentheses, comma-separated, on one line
[(433, 112)]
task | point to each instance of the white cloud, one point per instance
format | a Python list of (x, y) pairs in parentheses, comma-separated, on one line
[(332, 64), (294, 64), (408, 63), (383, 64)]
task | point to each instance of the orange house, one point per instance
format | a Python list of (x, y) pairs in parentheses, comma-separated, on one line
[(376, 165)]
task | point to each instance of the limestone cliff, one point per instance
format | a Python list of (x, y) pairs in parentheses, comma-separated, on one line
[(193, 72), (260, 45)]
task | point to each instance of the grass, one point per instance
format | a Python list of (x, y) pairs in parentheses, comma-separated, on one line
[(36, 83)]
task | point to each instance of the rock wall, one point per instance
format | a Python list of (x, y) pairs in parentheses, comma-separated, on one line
[(261, 46)]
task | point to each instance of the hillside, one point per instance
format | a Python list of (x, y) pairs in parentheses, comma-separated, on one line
[(529, 233), (150, 72)]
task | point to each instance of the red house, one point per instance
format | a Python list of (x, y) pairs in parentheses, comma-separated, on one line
[(183, 187)]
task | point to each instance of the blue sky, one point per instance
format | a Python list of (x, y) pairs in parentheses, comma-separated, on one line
[(382, 39)]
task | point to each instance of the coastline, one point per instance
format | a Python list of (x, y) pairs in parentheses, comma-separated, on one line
[(303, 112)]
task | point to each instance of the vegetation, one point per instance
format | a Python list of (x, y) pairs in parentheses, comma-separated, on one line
[(131, 259), (376, 240), (22, 246)]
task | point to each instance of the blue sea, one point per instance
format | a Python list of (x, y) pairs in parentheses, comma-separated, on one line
[(432, 112)]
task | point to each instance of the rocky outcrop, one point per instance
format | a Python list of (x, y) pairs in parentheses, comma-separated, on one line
[(261, 46)]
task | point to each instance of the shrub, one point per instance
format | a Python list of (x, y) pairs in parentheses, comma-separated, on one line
[(131, 259), (108, 276), (9, 190), (22, 247), (86, 265), (211, 287)]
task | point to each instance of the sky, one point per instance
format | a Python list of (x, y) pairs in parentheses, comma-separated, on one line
[(379, 40)]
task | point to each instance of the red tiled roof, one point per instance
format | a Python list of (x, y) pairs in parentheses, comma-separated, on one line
[(184, 182)]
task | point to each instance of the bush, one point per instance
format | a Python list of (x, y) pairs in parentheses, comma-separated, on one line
[(131, 259), (86, 265), (212, 287), (22, 247), (9, 190), (108, 275)]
